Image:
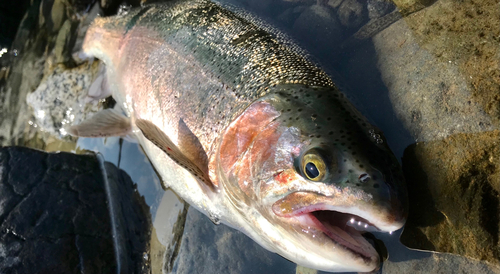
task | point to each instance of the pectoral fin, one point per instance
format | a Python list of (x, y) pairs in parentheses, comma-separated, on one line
[(105, 123), (161, 140)]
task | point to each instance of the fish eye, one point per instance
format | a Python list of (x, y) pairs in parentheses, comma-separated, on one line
[(311, 170), (313, 166)]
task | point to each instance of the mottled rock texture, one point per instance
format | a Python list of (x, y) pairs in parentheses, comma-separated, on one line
[(440, 263), (454, 187), (429, 95), (467, 34)]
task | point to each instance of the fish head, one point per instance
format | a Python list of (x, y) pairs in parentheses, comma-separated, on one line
[(309, 174)]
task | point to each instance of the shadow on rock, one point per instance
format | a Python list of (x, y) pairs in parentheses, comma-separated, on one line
[(453, 187), (422, 208)]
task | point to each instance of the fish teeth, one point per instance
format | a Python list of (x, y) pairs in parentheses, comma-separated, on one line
[(359, 225)]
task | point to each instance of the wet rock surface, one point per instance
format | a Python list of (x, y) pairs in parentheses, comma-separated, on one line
[(61, 99), (169, 224), (26, 64), (440, 263), (454, 187), (41, 59), (328, 29), (467, 34), (407, 7), (55, 215), (430, 96), (443, 85), (209, 248)]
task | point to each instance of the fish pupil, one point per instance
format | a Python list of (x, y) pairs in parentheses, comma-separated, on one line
[(311, 170)]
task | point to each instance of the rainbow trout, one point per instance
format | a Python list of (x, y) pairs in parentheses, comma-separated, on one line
[(242, 126)]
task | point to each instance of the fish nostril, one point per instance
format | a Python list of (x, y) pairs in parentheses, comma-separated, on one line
[(363, 178)]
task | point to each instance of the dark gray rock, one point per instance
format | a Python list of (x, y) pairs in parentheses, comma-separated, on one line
[(209, 248), (440, 263), (288, 17), (378, 8), (132, 221), (352, 13), (318, 27), (55, 215)]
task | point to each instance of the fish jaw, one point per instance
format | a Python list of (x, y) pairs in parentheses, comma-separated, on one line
[(305, 241), (317, 224)]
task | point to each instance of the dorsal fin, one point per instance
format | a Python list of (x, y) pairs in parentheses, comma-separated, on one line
[(161, 140)]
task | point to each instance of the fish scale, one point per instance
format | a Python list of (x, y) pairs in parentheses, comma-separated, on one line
[(231, 113)]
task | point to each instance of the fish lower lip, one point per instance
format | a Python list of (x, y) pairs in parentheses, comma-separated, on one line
[(334, 225)]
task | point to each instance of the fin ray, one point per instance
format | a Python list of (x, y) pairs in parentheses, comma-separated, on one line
[(161, 140), (105, 123)]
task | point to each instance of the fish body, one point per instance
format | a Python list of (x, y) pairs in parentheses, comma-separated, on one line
[(242, 126)]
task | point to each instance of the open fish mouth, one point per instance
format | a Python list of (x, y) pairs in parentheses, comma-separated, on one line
[(339, 225), (334, 225)]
